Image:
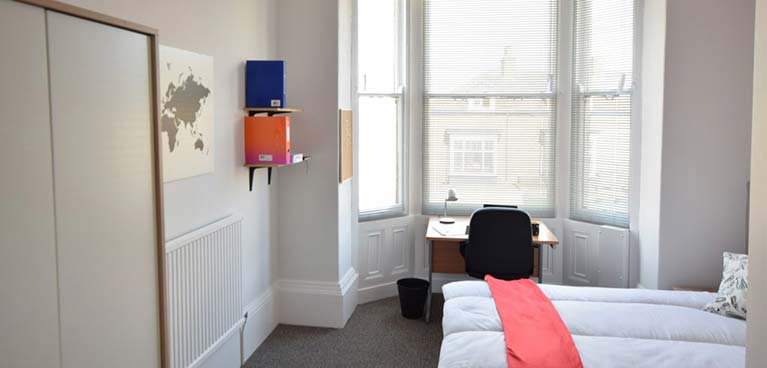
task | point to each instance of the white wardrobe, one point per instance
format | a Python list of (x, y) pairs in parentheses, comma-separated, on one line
[(80, 222)]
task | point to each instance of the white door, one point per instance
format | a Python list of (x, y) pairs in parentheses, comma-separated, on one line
[(29, 334), (105, 213)]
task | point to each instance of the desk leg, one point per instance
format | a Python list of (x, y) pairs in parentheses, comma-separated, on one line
[(540, 263), (430, 260)]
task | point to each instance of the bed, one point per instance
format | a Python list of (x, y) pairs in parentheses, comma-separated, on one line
[(609, 327)]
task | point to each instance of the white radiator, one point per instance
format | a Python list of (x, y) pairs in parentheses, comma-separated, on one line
[(204, 290)]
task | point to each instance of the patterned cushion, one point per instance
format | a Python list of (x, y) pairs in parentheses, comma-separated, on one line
[(732, 291)]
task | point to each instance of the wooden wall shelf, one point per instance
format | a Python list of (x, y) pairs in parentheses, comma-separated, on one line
[(271, 111), (269, 167)]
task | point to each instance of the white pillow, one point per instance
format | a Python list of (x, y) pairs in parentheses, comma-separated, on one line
[(732, 291)]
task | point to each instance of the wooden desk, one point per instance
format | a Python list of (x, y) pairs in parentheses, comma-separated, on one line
[(444, 241)]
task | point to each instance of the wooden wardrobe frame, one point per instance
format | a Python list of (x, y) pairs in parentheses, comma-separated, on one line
[(156, 153)]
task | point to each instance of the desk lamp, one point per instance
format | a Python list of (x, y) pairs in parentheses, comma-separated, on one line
[(450, 198)]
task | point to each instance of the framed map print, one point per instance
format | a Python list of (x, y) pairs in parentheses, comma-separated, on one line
[(186, 113)]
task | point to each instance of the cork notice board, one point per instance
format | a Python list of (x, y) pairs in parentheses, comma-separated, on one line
[(345, 129)]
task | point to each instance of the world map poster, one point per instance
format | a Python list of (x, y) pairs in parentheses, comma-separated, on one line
[(186, 113)]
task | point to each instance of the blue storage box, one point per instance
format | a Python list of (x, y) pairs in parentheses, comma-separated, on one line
[(265, 83)]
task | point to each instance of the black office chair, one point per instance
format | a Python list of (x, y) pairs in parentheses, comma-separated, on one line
[(500, 244)]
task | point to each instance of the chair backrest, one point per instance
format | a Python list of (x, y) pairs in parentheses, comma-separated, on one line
[(500, 244), (488, 205)]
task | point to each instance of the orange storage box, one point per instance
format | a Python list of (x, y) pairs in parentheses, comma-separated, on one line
[(267, 140)]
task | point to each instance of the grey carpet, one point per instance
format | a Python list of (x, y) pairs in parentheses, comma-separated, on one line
[(376, 336)]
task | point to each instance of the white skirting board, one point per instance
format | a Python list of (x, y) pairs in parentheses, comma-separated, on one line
[(205, 358), (377, 292), (262, 320), (319, 304)]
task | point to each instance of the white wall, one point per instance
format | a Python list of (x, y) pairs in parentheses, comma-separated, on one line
[(315, 211), (307, 39), (653, 68), (704, 155), (345, 210), (231, 31), (757, 278), (706, 138)]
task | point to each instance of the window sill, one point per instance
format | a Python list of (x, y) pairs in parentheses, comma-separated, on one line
[(381, 215)]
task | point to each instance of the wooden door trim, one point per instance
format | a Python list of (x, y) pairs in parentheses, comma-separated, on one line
[(91, 15)]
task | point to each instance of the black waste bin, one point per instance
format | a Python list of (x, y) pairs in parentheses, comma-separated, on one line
[(412, 297)]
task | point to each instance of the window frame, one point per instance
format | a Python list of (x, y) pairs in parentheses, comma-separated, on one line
[(419, 101), (400, 208), (567, 19), (563, 94), (578, 181)]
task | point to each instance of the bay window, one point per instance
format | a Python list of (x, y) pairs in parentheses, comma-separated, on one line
[(491, 106)]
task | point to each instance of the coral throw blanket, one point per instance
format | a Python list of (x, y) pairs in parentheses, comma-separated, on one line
[(535, 335)]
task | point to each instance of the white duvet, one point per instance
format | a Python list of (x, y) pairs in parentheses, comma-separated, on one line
[(610, 328)]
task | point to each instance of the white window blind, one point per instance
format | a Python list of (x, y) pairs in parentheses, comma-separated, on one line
[(603, 51), (379, 107), (490, 71)]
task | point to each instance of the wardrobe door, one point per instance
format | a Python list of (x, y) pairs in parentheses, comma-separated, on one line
[(105, 211), (29, 334)]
